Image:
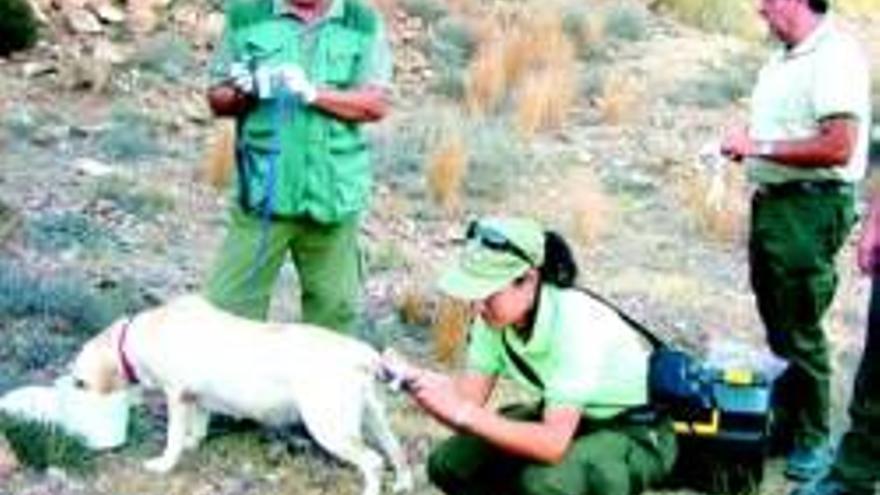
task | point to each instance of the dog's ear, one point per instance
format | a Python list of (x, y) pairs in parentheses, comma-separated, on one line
[(96, 367)]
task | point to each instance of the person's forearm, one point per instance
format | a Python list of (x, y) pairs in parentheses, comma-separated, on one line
[(528, 439), (474, 387), (832, 147), (358, 105)]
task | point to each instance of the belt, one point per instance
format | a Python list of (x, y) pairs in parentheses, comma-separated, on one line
[(805, 187)]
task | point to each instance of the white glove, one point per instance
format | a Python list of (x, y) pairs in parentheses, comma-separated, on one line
[(241, 77), (295, 80), (268, 82)]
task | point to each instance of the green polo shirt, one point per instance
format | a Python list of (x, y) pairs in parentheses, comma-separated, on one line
[(826, 75), (585, 355), (296, 160)]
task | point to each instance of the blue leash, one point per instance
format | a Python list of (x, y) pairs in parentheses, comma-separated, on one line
[(281, 109)]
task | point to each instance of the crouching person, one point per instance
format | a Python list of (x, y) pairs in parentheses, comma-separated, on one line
[(587, 434)]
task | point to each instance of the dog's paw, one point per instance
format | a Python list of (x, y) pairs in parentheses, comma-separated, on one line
[(159, 465), (191, 443), (403, 483)]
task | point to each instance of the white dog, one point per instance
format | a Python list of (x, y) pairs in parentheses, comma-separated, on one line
[(206, 360)]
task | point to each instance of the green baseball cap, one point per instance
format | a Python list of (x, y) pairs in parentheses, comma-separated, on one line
[(497, 252)]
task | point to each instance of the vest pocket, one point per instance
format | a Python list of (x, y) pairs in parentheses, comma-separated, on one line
[(262, 49), (342, 61)]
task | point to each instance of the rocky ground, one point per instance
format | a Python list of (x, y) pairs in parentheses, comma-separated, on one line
[(104, 137)]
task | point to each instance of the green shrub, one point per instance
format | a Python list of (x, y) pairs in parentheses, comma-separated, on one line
[(626, 22), (40, 445), (62, 231), (25, 295), (452, 46), (131, 135), (575, 20), (18, 26), (497, 156), (167, 55), (129, 197), (720, 84)]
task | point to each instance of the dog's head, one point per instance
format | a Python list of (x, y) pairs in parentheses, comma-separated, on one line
[(97, 367)]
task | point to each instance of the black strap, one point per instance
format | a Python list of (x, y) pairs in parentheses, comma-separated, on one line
[(521, 363)]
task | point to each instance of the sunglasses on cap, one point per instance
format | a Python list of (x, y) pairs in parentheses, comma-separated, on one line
[(496, 241)]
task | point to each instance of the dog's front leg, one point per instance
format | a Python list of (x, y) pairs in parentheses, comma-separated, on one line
[(178, 419), (198, 427)]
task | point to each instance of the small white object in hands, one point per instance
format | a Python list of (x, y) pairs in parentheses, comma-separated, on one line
[(712, 161), (710, 157), (100, 420), (241, 77), (297, 83)]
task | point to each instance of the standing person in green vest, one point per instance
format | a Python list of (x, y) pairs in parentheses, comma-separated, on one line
[(590, 432), (856, 466), (300, 77), (805, 147)]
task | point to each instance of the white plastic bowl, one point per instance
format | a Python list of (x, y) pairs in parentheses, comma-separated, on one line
[(100, 420)]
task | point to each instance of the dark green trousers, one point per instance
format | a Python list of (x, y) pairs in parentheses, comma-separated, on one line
[(613, 460), (795, 238), (858, 458), (326, 257)]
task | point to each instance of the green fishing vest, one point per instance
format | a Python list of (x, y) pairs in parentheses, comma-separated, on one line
[(294, 160)]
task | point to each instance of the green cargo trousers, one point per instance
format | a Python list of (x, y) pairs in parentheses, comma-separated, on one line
[(602, 460), (795, 237), (857, 463), (326, 257)]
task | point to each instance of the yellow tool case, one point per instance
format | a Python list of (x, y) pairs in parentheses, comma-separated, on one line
[(722, 449)]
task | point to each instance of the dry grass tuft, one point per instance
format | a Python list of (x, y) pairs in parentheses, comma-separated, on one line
[(447, 166), (219, 159), (414, 306), (721, 218), (528, 53), (545, 98), (486, 82), (591, 209), (449, 329), (590, 33), (620, 98)]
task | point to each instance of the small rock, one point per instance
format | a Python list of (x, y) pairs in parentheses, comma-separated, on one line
[(81, 21), (36, 69), (108, 13), (39, 8), (107, 51), (92, 167)]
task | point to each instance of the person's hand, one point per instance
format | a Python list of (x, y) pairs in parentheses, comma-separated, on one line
[(868, 247), (242, 78), (737, 144), (228, 100), (294, 79), (436, 394)]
